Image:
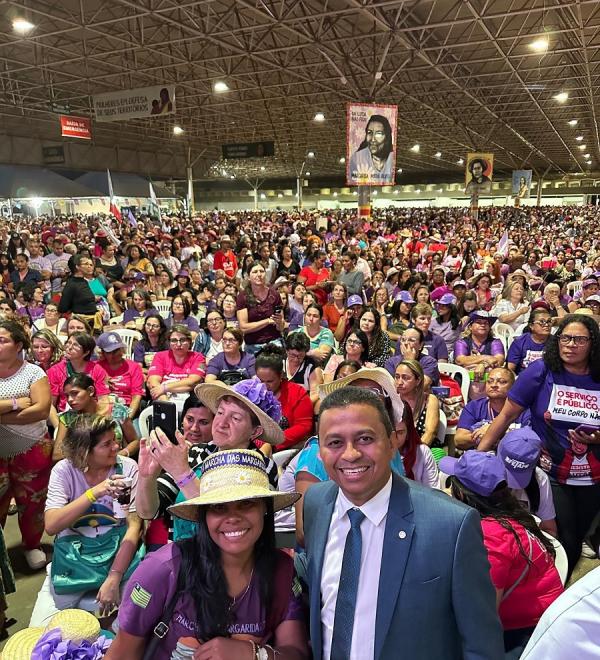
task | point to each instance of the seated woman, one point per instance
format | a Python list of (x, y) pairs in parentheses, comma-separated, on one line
[(74, 324), (421, 316), (417, 460), (154, 339), (51, 320), (398, 319), (211, 587), (520, 556), (168, 473), (175, 373), (229, 310), (356, 349), (529, 346), (232, 364), (379, 341), (141, 306), (512, 308), (81, 397), (334, 311), (321, 339), (209, 341), (83, 503), (411, 348), (296, 406), (79, 349), (447, 324), (478, 351), (181, 314), (46, 349), (300, 367), (425, 407)]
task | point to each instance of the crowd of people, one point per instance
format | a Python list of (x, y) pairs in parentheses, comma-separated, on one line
[(414, 399)]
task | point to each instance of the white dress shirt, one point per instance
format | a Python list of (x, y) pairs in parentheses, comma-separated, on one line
[(372, 532)]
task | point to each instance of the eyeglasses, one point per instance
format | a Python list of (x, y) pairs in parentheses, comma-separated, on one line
[(214, 320), (152, 326), (545, 323), (578, 340), (229, 340), (179, 342), (353, 342)]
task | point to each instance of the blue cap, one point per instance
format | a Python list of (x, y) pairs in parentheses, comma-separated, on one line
[(477, 470)]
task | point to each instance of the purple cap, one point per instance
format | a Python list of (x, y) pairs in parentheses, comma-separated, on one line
[(140, 277), (477, 470), (520, 450), (354, 300), (446, 299), (588, 282), (109, 342), (183, 273), (405, 297), (482, 315)]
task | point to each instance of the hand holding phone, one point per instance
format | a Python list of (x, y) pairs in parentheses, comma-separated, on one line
[(164, 417)]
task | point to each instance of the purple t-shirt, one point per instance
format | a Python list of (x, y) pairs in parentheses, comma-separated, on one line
[(524, 351), (151, 587), (478, 412), (219, 363), (494, 347), (434, 346), (131, 314), (566, 400), (430, 366), (190, 323)]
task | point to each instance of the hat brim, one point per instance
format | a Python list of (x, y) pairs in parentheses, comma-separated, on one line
[(520, 481), (447, 465), (378, 375), (211, 393), (189, 510), (20, 645)]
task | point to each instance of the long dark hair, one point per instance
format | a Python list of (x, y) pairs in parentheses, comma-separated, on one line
[(413, 440), (552, 354), (202, 578), (505, 509), (387, 129), (162, 337)]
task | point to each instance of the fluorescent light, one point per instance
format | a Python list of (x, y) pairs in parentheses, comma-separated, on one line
[(319, 116), (589, 162), (579, 138), (460, 161), (36, 202), (418, 190), (561, 97), (399, 170), (416, 148), (440, 190), (232, 176), (177, 130), (335, 194), (262, 168), (573, 122), (22, 26), (583, 147), (375, 193), (354, 192), (438, 154), (220, 87), (307, 174), (342, 160), (263, 196), (539, 45), (279, 195), (586, 155), (311, 154)]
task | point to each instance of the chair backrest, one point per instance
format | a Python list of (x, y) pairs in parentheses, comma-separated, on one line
[(453, 370), (280, 458), (144, 421), (560, 561), (505, 333), (128, 337), (162, 306), (573, 288), (518, 331), (442, 426), (116, 320)]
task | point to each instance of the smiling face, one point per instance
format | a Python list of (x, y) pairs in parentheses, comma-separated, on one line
[(104, 454), (42, 350), (235, 527), (356, 450), (197, 425)]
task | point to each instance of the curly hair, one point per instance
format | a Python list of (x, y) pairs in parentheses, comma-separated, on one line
[(552, 351), (83, 435)]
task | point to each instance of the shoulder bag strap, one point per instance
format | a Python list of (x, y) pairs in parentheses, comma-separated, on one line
[(162, 627), (521, 577)]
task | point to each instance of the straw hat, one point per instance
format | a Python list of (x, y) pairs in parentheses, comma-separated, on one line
[(378, 375), (233, 475), (20, 645), (255, 396)]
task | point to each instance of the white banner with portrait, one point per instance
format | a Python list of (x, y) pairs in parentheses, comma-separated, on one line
[(135, 103)]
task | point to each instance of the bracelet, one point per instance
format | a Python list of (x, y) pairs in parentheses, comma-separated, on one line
[(253, 649), (164, 388), (89, 493), (15, 407), (184, 481)]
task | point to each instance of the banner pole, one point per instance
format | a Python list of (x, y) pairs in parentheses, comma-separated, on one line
[(364, 203)]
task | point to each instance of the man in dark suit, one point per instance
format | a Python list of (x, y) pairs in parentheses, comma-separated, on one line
[(395, 570)]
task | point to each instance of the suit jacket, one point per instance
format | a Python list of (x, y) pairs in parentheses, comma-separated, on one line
[(435, 597)]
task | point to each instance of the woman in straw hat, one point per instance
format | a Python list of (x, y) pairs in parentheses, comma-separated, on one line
[(227, 592), (243, 413)]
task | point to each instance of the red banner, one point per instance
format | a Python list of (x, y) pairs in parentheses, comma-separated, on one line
[(76, 127)]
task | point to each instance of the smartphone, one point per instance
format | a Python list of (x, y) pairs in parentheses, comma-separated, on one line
[(164, 417), (277, 309), (585, 428), (440, 391)]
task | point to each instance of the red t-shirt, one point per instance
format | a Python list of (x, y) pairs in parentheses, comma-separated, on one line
[(227, 262), (311, 278), (540, 587), (126, 381)]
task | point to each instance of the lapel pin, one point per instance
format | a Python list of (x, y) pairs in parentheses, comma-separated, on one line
[(402, 534)]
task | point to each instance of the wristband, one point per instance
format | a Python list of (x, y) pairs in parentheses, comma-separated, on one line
[(15, 407), (164, 388), (253, 648), (184, 481), (89, 493)]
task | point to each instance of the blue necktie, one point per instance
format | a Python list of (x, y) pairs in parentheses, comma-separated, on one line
[(343, 622)]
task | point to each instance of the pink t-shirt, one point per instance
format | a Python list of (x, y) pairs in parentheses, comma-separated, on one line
[(536, 591), (126, 381), (58, 374), (164, 365)]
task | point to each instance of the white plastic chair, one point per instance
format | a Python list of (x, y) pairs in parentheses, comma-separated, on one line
[(453, 370), (505, 334), (280, 458), (116, 320), (163, 307), (560, 561), (144, 421), (442, 426), (128, 337), (518, 331), (573, 288)]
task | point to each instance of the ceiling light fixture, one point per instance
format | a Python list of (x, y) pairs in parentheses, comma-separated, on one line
[(22, 26), (586, 155), (220, 87), (579, 138), (307, 174), (438, 154), (319, 117), (177, 130), (583, 147), (539, 45), (342, 160), (399, 170), (460, 161), (311, 154), (416, 148), (262, 168), (561, 97), (573, 122)]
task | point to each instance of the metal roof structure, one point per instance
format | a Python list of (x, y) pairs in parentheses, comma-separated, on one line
[(465, 74), (24, 182)]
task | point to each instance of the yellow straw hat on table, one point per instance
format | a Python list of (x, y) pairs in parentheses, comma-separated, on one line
[(20, 645)]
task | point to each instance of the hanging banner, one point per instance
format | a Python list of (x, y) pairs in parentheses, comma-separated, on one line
[(76, 127), (478, 174), (371, 144), (135, 103), (521, 183)]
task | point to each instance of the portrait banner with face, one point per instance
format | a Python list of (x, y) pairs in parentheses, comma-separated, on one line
[(478, 174), (521, 183), (371, 144)]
